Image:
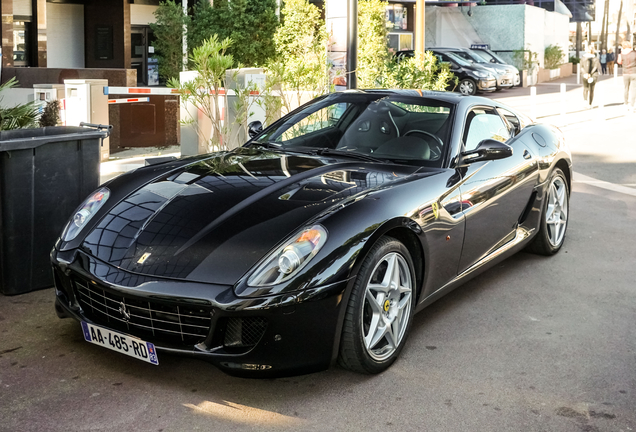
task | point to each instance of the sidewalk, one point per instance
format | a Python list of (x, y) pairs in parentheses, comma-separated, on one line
[(131, 159), (570, 108)]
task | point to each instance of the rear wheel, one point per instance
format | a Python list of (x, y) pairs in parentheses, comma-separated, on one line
[(554, 220), (467, 87), (380, 309)]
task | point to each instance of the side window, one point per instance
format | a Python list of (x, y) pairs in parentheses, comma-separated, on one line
[(447, 59), (481, 124), (516, 122), (322, 119)]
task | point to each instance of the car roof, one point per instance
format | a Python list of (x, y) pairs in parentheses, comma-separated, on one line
[(445, 96), (447, 49)]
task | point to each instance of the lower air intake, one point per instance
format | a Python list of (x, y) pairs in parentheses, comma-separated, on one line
[(244, 332)]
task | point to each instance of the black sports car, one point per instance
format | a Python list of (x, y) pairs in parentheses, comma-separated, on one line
[(319, 239)]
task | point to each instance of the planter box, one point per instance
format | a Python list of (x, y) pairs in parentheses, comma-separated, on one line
[(563, 71), (543, 75), (528, 78), (567, 70)]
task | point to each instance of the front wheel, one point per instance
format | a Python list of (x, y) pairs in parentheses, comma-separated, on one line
[(380, 309), (467, 87), (554, 218)]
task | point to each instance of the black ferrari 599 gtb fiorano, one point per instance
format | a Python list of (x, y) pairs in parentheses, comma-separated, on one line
[(319, 239)]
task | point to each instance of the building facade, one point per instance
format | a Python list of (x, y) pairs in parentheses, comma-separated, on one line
[(76, 34)]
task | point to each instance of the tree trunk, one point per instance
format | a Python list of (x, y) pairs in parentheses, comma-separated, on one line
[(618, 26), (578, 39)]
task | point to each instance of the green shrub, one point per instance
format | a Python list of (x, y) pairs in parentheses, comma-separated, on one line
[(251, 24), (373, 50), (300, 68), (211, 62), (21, 116), (51, 114), (376, 65), (525, 59), (574, 60), (553, 56)]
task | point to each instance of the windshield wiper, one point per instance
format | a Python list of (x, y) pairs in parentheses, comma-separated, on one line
[(267, 144), (355, 155)]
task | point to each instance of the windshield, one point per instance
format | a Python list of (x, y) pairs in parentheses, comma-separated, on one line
[(473, 56), (457, 59), (488, 55), (397, 128)]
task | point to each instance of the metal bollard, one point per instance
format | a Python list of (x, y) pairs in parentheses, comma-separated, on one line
[(563, 104), (578, 73), (533, 102), (616, 75)]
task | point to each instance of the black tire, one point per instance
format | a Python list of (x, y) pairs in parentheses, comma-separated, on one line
[(467, 87), (354, 354), (545, 242)]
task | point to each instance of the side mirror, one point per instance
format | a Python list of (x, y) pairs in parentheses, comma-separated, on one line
[(488, 149), (254, 128)]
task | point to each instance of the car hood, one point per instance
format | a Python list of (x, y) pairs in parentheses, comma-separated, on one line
[(213, 219), (499, 67)]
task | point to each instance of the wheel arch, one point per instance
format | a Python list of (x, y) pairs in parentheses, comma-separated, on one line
[(409, 239), (563, 165), (402, 229)]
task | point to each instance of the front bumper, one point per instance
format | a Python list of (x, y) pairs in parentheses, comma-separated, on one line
[(505, 81), (288, 334), (487, 84)]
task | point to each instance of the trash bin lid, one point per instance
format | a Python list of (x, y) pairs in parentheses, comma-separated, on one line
[(21, 139)]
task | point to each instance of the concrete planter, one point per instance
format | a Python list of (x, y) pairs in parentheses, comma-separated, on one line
[(567, 70)]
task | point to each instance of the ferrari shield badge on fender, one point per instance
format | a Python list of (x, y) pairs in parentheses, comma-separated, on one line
[(143, 258)]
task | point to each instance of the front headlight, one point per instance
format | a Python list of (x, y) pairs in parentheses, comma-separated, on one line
[(84, 213), (288, 259), (482, 74)]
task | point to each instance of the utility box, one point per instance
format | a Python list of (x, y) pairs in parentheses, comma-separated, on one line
[(86, 102), (244, 77)]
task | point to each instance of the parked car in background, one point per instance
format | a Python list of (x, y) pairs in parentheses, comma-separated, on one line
[(472, 77), (505, 74), (492, 57)]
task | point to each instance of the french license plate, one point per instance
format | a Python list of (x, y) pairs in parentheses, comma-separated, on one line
[(141, 350)]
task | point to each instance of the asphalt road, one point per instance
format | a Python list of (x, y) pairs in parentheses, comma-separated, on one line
[(534, 344)]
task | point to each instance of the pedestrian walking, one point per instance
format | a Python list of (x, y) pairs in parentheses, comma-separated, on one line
[(611, 58), (590, 66), (627, 58), (603, 60)]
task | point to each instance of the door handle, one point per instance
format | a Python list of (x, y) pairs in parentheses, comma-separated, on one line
[(526, 154)]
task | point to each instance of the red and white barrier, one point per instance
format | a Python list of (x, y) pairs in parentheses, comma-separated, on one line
[(140, 90), (161, 91), (129, 100)]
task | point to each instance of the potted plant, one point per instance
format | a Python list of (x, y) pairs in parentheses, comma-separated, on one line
[(552, 60), (526, 61)]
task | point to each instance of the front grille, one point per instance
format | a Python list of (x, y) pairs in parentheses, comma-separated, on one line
[(175, 324), (244, 332)]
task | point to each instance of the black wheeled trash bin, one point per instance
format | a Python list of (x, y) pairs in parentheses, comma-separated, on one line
[(45, 174)]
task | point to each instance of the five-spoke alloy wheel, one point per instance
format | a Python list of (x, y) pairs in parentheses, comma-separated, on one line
[(380, 309), (554, 220)]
